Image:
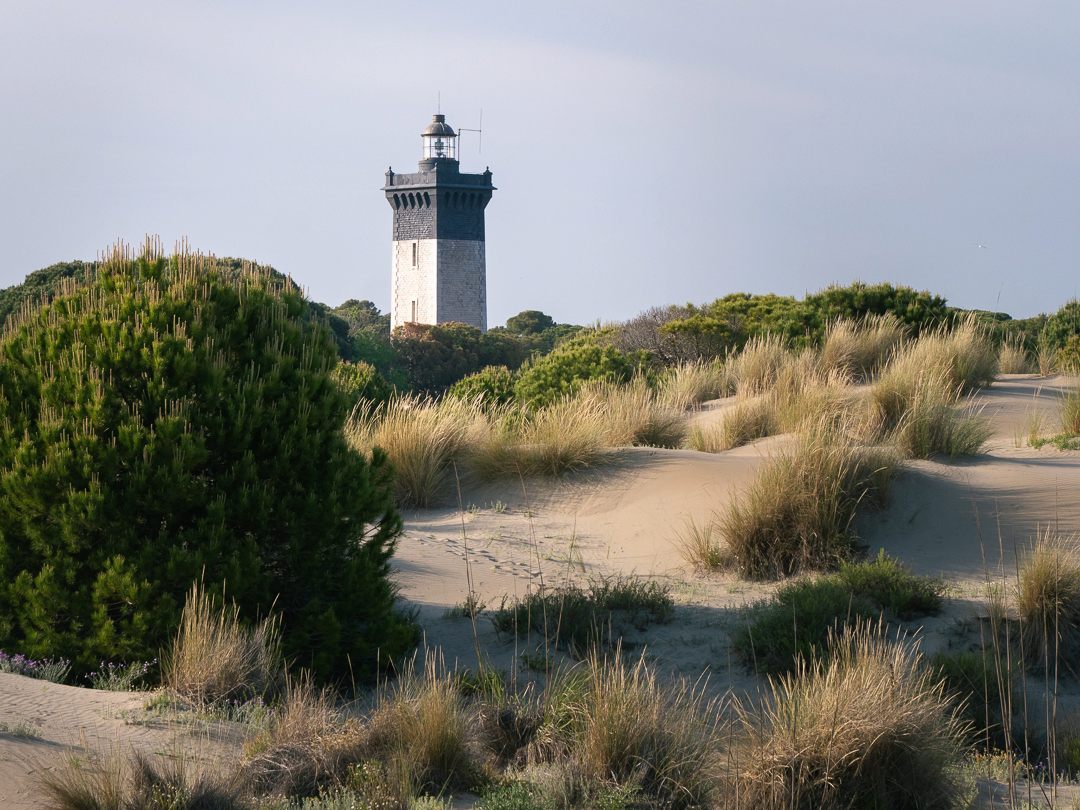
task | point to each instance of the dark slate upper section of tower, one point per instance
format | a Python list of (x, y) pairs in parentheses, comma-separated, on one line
[(438, 202)]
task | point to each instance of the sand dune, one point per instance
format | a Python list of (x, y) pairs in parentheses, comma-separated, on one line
[(620, 519)]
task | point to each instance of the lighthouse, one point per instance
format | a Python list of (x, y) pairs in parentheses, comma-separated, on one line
[(438, 266)]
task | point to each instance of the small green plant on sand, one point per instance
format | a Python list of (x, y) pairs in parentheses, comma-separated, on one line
[(472, 606), (578, 618), (797, 622)]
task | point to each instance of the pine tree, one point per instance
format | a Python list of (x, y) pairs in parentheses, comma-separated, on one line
[(176, 420)]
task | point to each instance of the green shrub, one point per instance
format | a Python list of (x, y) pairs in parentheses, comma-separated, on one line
[(579, 618), (435, 356), (494, 384), (562, 373), (1062, 325), (1067, 358), (796, 622), (361, 382), (889, 583), (162, 424)]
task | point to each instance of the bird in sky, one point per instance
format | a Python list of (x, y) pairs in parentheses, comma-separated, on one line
[(984, 247)]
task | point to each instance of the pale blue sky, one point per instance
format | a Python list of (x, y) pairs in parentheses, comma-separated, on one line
[(644, 153)]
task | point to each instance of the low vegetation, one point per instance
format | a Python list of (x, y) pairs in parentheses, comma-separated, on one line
[(215, 659), (579, 618), (798, 621), (1048, 601), (795, 516), (868, 727)]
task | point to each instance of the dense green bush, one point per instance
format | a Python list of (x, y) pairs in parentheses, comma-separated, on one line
[(890, 583), (737, 317), (1062, 325), (360, 381), (529, 322), (495, 384), (42, 283), (797, 621), (562, 372), (174, 421), (434, 357)]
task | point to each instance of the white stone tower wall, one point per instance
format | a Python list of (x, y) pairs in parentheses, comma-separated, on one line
[(448, 282), (462, 290), (414, 282)]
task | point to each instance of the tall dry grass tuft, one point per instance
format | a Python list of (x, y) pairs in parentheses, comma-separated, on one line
[(112, 780), (307, 747), (422, 438), (1012, 358), (566, 436), (1070, 410), (701, 546), (749, 419), (687, 385), (804, 394), (868, 728), (1048, 599), (215, 658), (622, 723), (931, 422), (796, 514), (960, 360), (758, 365), (424, 724), (860, 348), (635, 414)]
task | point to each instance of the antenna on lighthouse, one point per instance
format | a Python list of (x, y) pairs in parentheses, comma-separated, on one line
[(479, 131)]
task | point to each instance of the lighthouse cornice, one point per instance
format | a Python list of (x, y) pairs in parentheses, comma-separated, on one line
[(438, 180)]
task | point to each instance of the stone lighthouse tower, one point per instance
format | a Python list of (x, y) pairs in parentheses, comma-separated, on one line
[(438, 270)]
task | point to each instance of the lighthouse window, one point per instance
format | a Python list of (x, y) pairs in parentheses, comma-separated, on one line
[(413, 312), (414, 265)]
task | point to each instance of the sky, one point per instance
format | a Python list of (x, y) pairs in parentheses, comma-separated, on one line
[(644, 153)]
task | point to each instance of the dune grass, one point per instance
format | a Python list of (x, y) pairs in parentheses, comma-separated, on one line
[(795, 516), (629, 726), (1012, 358), (1048, 600), (689, 384), (859, 349), (635, 415), (758, 365), (563, 437), (308, 746), (1069, 411), (580, 618), (749, 419), (422, 438), (932, 423), (124, 780), (215, 658), (701, 547), (424, 728), (958, 361), (868, 728)]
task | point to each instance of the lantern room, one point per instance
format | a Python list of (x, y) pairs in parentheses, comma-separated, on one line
[(440, 140)]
